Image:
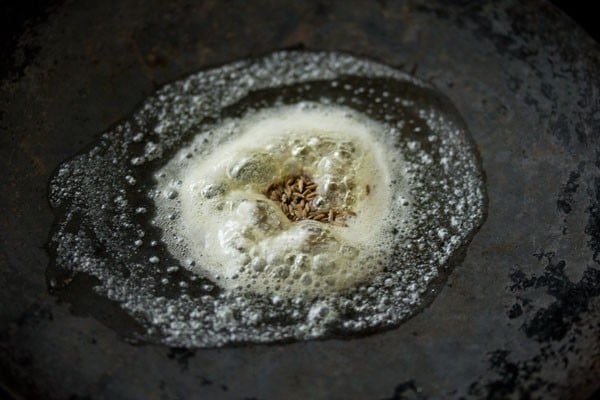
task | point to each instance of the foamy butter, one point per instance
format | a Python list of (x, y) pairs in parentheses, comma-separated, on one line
[(243, 241), (192, 179)]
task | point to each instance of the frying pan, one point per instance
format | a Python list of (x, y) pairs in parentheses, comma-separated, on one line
[(518, 318)]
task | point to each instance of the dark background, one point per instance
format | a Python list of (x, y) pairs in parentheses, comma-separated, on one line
[(20, 15)]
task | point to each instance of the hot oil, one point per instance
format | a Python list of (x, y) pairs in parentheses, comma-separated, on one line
[(121, 217)]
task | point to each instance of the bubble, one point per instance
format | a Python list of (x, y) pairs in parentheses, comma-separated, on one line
[(283, 279), (256, 168)]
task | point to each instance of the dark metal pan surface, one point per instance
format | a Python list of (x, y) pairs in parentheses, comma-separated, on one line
[(519, 318)]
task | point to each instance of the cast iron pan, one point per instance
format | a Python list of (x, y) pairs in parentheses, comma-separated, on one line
[(519, 318)]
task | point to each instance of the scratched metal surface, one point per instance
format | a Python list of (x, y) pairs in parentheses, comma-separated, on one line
[(518, 318)]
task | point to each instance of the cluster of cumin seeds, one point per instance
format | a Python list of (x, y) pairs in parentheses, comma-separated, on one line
[(297, 196)]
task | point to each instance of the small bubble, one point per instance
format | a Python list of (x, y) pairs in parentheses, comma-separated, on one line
[(172, 269), (276, 300), (137, 161)]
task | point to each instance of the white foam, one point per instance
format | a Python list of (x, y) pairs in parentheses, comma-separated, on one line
[(243, 241)]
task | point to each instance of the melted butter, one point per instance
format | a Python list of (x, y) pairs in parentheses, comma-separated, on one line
[(119, 204)]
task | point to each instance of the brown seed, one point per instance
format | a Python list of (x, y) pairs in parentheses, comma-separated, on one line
[(368, 189), (296, 199)]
